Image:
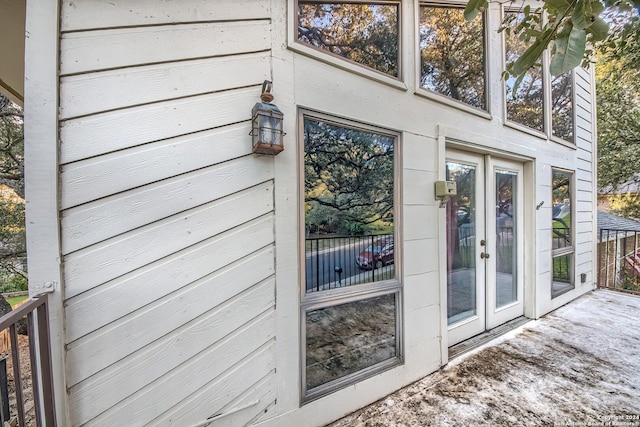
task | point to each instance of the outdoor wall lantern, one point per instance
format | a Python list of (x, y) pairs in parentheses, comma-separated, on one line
[(266, 124)]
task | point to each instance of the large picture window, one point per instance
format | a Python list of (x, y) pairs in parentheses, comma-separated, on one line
[(348, 205), (351, 303), (452, 54), (562, 251), (365, 33)]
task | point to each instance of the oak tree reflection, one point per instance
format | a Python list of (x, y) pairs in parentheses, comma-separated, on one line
[(363, 33), (452, 54)]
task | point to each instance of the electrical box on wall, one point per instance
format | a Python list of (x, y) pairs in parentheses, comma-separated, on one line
[(445, 189)]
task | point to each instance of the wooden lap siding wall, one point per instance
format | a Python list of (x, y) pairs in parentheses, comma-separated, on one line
[(167, 219), (584, 193)]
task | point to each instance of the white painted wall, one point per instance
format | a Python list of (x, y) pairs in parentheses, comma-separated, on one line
[(428, 124), (167, 219), (172, 234)]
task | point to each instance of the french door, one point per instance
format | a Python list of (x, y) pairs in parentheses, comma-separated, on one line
[(485, 251)]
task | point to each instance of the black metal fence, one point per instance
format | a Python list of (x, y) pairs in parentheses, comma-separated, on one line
[(561, 237), (619, 260), (336, 261), (40, 410)]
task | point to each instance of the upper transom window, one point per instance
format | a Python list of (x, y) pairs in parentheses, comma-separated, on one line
[(562, 122), (365, 33), (452, 54), (525, 103)]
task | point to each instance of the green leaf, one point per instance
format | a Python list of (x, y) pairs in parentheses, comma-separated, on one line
[(598, 29), (516, 85), (581, 16), (568, 50), (597, 7), (585, 13), (472, 9), (561, 5), (528, 58)]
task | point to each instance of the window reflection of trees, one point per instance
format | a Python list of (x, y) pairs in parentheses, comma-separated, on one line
[(461, 217), (363, 33), (562, 246), (452, 55), (561, 213), (525, 106), (562, 106), (348, 177)]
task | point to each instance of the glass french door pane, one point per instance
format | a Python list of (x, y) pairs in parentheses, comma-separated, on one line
[(461, 247), (506, 220)]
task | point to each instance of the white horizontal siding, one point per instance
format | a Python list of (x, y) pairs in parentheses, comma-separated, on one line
[(117, 172), (90, 267), (117, 214), (171, 274), (82, 52), (184, 382), (167, 218), (184, 360), (89, 14), (116, 308), (251, 404), (92, 93), (107, 132)]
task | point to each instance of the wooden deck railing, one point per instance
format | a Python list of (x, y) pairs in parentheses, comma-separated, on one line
[(619, 260), (37, 318)]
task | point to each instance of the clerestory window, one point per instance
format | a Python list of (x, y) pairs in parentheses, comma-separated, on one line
[(528, 104), (364, 33), (452, 54)]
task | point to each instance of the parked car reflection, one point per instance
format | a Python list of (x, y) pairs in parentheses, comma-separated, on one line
[(377, 255)]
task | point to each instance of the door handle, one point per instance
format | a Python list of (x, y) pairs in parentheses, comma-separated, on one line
[(484, 255)]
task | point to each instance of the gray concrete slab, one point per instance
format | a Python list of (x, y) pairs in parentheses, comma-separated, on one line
[(579, 365)]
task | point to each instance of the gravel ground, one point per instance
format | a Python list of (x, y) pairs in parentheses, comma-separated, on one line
[(577, 366)]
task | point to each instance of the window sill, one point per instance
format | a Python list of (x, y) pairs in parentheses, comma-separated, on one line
[(556, 294), (525, 129), (562, 251), (348, 65), (560, 141), (347, 294), (453, 103), (355, 378)]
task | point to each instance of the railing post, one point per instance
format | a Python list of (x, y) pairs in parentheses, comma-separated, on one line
[(45, 363), (4, 391), (317, 265)]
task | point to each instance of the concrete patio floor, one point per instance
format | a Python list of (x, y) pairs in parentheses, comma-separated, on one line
[(577, 366)]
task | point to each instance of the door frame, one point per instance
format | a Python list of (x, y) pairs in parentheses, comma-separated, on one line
[(457, 139), (475, 323)]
